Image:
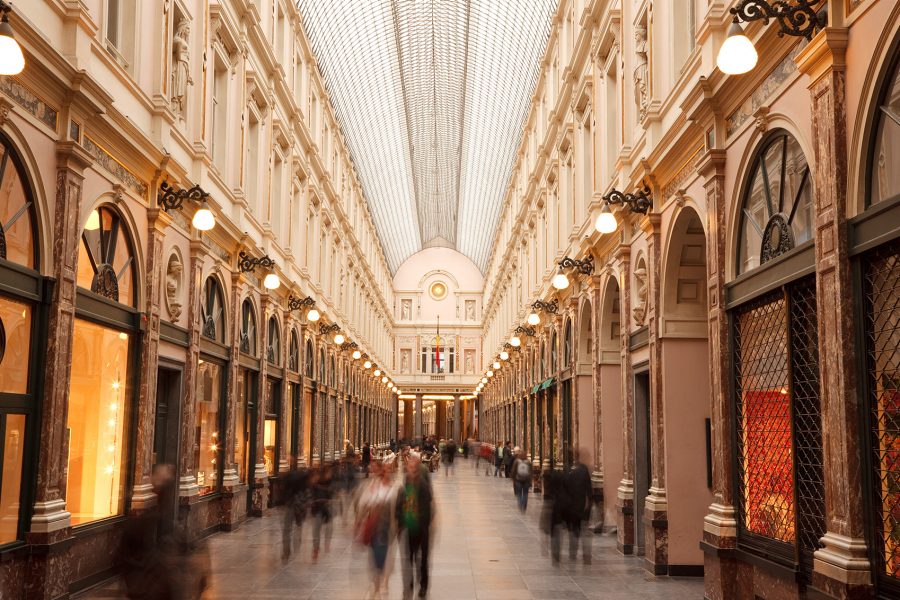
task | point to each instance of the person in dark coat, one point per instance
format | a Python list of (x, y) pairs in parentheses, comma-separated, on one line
[(320, 506), (296, 498), (366, 458), (578, 487), (415, 514), (556, 505), (507, 458)]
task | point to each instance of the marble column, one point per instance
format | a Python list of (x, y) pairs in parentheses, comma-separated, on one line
[(596, 298), (457, 420), (655, 505), (625, 493), (441, 419), (48, 570), (234, 507), (260, 497), (841, 566), (142, 496), (418, 416)]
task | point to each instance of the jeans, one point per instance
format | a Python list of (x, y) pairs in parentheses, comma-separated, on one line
[(521, 489)]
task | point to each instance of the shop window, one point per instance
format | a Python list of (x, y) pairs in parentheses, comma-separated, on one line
[(881, 300), (270, 426), (273, 351), (885, 177), (294, 353), (777, 214), (212, 311), (17, 246), (96, 423), (105, 259), (248, 328), (780, 485), (242, 423), (208, 443)]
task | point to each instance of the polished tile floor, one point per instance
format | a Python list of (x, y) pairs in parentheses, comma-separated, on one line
[(484, 549)]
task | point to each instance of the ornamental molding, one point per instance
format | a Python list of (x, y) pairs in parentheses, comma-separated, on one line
[(115, 168), (29, 101)]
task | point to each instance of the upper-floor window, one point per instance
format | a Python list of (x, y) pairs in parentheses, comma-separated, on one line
[(885, 175), (16, 223), (294, 353), (554, 354), (438, 359), (219, 117), (567, 349), (105, 259), (310, 358), (777, 212), (273, 350), (212, 311), (120, 31), (248, 328)]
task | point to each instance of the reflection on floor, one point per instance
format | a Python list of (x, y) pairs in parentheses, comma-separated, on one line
[(484, 550)]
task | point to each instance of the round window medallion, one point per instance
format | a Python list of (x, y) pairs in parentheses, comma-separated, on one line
[(438, 290)]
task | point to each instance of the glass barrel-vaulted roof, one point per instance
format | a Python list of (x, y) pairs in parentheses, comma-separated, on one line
[(431, 96)]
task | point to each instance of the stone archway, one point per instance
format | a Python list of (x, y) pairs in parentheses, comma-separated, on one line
[(585, 417), (609, 381)]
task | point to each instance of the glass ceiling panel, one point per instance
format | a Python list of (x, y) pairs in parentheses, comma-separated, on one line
[(431, 96)]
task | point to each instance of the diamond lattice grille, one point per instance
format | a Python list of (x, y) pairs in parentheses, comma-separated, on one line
[(882, 302), (763, 412)]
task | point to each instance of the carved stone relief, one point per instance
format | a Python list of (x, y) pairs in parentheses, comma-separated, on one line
[(641, 70), (181, 65), (470, 361), (470, 310), (174, 285), (405, 360), (640, 305), (406, 310)]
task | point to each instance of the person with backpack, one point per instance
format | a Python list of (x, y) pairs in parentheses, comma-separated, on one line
[(521, 476)]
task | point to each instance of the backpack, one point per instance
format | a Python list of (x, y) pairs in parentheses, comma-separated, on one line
[(523, 471)]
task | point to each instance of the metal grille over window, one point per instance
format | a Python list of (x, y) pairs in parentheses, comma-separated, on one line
[(881, 272), (807, 418), (764, 419)]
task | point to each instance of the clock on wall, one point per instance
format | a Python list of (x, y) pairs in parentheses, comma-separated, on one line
[(438, 290)]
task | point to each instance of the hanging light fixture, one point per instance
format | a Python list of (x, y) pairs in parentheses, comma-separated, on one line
[(203, 219), (12, 61), (496, 365), (377, 372), (490, 374), (171, 198), (271, 281), (313, 315), (560, 281), (534, 319), (504, 355), (515, 341), (799, 18), (357, 355), (367, 364), (606, 222), (484, 380), (384, 380), (247, 263), (93, 221), (338, 339)]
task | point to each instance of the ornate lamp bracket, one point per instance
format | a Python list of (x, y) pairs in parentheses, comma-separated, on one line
[(170, 198), (529, 331), (638, 202), (247, 263), (798, 18), (551, 307), (295, 303), (585, 266), (326, 329), (349, 346)]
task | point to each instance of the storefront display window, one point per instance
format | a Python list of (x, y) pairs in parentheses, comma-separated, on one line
[(13, 428), (96, 423), (15, 345), (885, 183), (270, 432), (240, 425), (208, 442), (15, 213)]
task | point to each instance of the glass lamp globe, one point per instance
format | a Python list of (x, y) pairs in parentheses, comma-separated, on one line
[(203, 219), (496, 365), (367, 365), (606, 221), (515, 341), (12, 61), (338, 339), (504, 355), (560, 281), (384, 380), (271, 282), (377, 372), (312, 316), (357, 355), (737, 54), (534, 319), (484, 380), (93, 221), (490, 373)]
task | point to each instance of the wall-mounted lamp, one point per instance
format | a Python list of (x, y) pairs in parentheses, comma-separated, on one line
[(529, 331), (585, 267), (12, 61), (504, 355), (297, 303), (540, 306), (247, 263), (170, 198), (800, 18), (638, 202)]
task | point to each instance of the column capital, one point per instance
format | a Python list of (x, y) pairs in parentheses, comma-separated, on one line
[(824, 54)]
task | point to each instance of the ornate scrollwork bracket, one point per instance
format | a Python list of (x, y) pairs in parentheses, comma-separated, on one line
[(170, 198), (584, 266), (295, 303), (529, 331), (799, 18), (551, 307), (247, 263), (638, 202)]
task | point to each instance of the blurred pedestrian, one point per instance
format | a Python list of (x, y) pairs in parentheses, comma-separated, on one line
[(556, 511), (521, 476), (507, 458), (415, 515), (578, 487), (375, 521), (498, 459), (296, 499), (320, 507), (366, 458)]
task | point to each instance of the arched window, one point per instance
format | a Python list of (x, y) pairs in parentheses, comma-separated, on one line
[(543, 362), (322, 366), (212, 311), (105, 257), (332, 372), (554, 354), (567, 350), (18, 359), (777, 213), (248, 328), (294, 352), (885, 176), (310, 357), (273, 351)]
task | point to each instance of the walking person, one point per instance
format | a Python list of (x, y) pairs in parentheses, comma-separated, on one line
[(320, 507), (415, 515), (498, 459), (366, 458), (296, 498), (375, 521), (521, 475), (578, 487), (507, 458)]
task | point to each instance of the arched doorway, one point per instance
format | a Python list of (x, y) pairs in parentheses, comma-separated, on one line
[(612, 415), (585, 415), (685, 376)]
